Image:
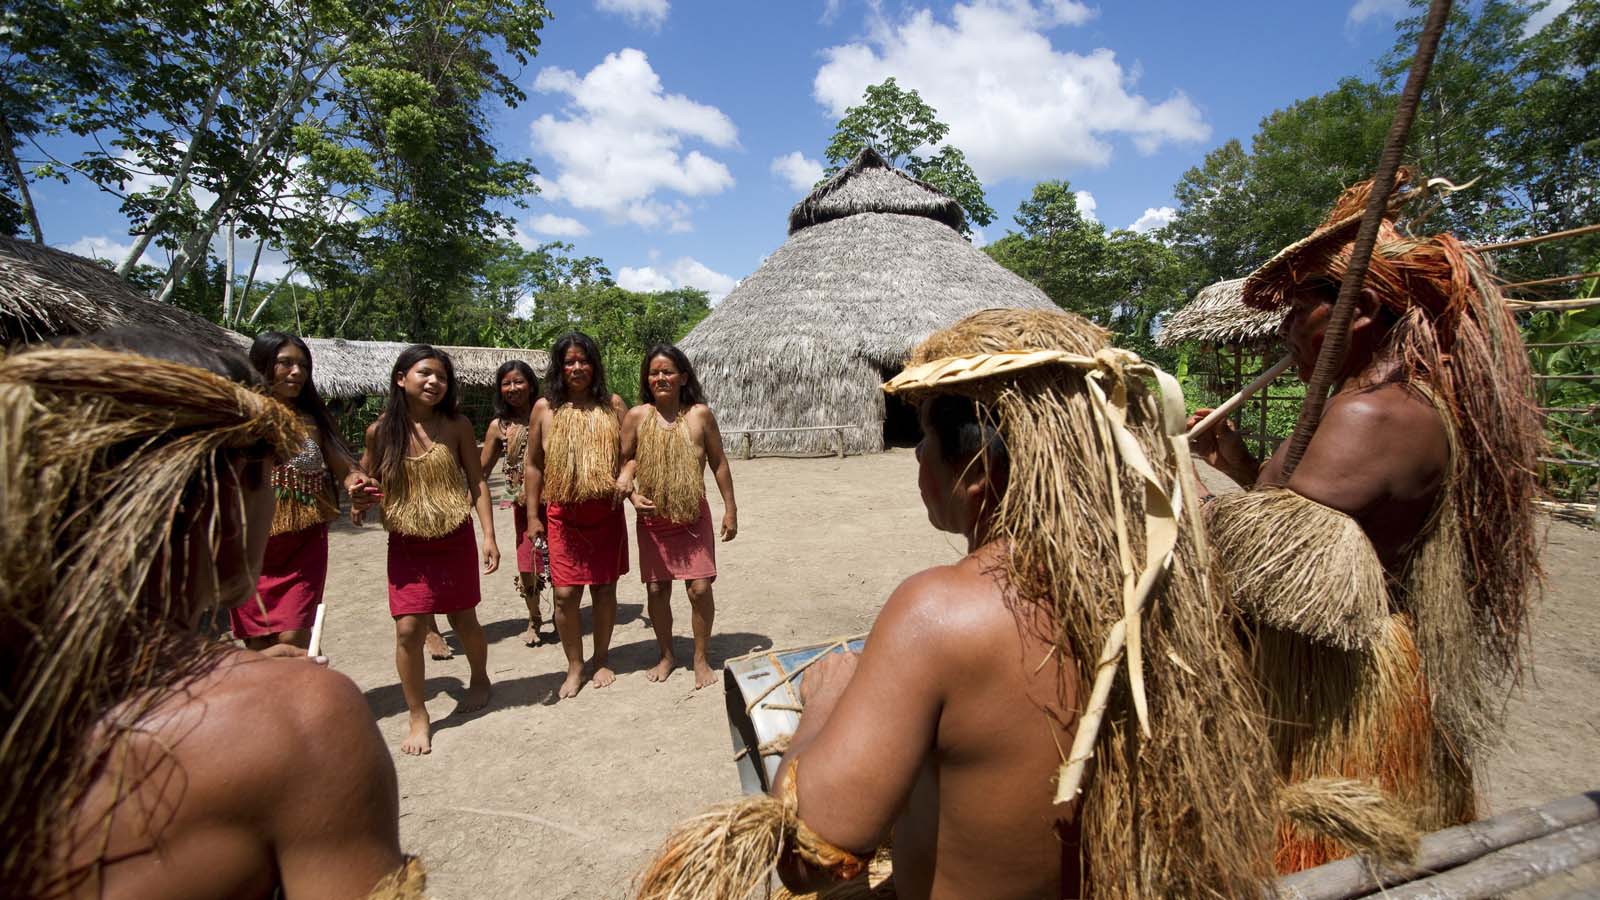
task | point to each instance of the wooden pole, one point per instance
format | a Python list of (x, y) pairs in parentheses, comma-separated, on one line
[(1226, 407), (1336, 340), (1504, 870), (1537, 239), (1357, 876)]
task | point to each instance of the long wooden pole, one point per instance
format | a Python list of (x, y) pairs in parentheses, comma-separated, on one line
[(1536, 239), (1330, 362), (1226, 407)]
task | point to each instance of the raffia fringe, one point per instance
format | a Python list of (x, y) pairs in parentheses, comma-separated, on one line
[(671, 470), (405, 883), (1300, 566), (584, 450), (431, 501), (1353, 813)]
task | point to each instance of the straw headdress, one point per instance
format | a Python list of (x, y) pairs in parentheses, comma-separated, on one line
[(109, 475)]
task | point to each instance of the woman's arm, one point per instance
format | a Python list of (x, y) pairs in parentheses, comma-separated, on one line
[(533, 467), (630, 451), (358, 507), (478, 488), (717, 458), (491, 446)]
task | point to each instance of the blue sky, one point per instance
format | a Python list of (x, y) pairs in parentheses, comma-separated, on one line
[(672, 136)]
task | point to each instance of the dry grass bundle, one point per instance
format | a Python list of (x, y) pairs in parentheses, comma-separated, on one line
[(1297, 565), (1188, 809), (671, 470), (405, 883), (1355, 814), (1362, 715), (108, 474), (582, 456), (1456, 336), (430, 500)]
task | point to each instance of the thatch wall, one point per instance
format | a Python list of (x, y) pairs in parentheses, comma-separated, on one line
[(355, 368), (1217, 315), (45, 292), (873, 264)]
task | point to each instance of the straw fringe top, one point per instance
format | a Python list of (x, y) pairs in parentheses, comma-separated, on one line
[(431, 500), (671, 469), (582, 456)]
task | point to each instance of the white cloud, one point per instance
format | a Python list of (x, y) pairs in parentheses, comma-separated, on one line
[(620, 141), (1087, 205), (1153, 218), (557, 226), (685, 271), (797, 171), (1373, 9), (103, 247), (645, 279), (644, 13), (1015, 105), (1543, 17)]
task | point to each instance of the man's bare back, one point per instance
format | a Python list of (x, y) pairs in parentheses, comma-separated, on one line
[(260, 774), (951, 730)]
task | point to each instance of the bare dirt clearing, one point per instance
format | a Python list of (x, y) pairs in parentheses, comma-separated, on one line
[(534, 798)]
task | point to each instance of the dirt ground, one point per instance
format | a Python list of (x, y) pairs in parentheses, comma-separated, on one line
[(534, 798)]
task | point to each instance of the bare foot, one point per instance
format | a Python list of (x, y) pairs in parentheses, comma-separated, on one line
[(437, 648), (661, 670), (703, 675), (569, 688), (419, 741), (531, 637), (603, 676), (477, 696)]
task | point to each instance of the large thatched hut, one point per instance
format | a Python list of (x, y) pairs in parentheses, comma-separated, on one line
[(793, 357)]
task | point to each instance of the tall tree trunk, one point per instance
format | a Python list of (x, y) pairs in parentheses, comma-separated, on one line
[(28, 209), (179, 183)]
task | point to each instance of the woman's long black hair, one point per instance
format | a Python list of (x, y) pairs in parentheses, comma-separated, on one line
[(394, 426), (688, 395), (555, 388), (263, 357), (502, 409)]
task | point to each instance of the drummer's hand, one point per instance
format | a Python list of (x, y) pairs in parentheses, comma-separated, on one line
[(1221, 446), (825, 681), (290, 651)]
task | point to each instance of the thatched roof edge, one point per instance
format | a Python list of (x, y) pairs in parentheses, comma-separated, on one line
[(870, 184), (1217, 315)]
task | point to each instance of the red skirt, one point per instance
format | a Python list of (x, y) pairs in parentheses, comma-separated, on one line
[(433, 575), (294, 573), (526, 561), (672, 551), (588, 542)]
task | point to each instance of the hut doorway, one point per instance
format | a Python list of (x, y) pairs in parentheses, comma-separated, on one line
[(901, 428)]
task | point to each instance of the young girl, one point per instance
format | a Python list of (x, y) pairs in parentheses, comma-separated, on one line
[(574, 454), (667, 441), (426, 457), (508, 432), (295, 570)]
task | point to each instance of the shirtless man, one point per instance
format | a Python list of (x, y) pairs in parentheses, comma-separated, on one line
[(151, 762), (1381, 452), (945, 730)]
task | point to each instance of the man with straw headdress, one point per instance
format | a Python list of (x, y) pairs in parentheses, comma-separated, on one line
[(139, 758), (1061, 462), (1389, 578)]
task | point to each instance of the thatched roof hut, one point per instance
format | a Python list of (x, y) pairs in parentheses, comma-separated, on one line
[(873, 264), (354, 368), (45, 292), (1217, 315)]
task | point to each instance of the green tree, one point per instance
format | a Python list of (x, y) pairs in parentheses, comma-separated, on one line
[(902, 127)]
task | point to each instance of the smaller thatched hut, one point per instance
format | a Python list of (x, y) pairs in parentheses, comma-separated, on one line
[(793, 357), (1217, 315), (358, 368)]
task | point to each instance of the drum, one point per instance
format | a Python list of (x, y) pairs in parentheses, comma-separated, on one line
[(762, 690)]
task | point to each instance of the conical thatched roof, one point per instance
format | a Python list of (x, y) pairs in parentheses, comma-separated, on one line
[(1218, 315), (46, 292), (873, 264)]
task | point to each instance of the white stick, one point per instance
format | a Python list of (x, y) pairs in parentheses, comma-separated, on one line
[(315, 647), (1232, 403)]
